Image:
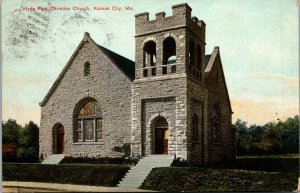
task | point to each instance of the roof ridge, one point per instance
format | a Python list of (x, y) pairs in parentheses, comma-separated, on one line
[(115, 53)]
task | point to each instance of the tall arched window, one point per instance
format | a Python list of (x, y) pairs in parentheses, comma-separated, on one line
[(149, 59), (199, 62), (169, 55), (216, 123), (199, 57), (191, 57), (88, 122), (87, 69), (191, 52), (195, 125)]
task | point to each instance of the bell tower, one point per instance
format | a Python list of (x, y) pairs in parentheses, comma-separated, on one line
[(170, 45), (170, 53)]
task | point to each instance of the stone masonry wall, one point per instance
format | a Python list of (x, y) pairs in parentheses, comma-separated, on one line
[(172, 90), (151, 110), (225, 149), (197, 104), (110, 87)]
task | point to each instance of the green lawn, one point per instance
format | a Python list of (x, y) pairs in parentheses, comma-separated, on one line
[(204, 179), (255, 173), (101, 175)]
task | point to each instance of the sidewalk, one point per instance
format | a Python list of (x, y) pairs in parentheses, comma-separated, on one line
[(15, 186)]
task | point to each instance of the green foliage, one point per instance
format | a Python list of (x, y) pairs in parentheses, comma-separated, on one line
[(26, 140), (271, 138), (179, 162), (125, 149), (100, 160), (206, 180), (29, 136), (10, 132), (66, 174)]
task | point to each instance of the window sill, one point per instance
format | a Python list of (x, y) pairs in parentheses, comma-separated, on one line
[(88, 143)]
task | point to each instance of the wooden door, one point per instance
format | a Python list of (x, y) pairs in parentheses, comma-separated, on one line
[(161, 141), (60, 143)]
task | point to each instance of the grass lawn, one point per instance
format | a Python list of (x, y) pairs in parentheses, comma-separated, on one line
[(206, 179), (101, 175), (255, 173)]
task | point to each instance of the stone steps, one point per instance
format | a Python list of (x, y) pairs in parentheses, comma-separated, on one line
[(53, 159), (137, 174)]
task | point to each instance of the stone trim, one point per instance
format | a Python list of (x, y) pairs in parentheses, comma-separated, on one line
[(165, 77)]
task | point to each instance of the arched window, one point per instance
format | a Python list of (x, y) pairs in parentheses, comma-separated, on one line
[(149, 58), (88, 122), (87, 69), (195, 127), (191, 52), (199, 62), (216, 123), (169, 55)]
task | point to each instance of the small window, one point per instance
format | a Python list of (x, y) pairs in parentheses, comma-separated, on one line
[(195, 128), (87, 69), (216, 123)]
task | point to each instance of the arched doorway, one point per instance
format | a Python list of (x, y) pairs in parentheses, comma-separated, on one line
[(161, 136), (58, 139)]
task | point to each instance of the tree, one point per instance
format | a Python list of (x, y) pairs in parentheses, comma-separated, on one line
[(29, 135), (29, 143), (10, 139), (20, 144), (271, 138), (10, 132)]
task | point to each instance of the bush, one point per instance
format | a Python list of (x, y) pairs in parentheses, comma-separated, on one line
[(65, 174), (101, 160), (125, 149), (179, 162)]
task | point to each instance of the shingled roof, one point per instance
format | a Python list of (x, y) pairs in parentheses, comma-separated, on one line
[(207, 58), (126, 65)]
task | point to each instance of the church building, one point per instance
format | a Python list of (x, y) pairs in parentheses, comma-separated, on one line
[(172, 100)]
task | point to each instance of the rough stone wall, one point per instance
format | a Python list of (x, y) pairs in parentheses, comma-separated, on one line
[(158, 38), (149, 92), (225, 149), (151, 110), (163, 96), (197, 104), (108, 86)]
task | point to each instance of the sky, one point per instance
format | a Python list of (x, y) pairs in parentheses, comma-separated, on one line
[(258, 42)]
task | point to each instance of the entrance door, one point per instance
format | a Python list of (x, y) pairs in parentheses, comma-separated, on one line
[(60, 135), (161, 141), (161, 136)]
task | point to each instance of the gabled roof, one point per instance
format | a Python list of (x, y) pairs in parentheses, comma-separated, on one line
[(207, 58), (125, 65), (210, 62)]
